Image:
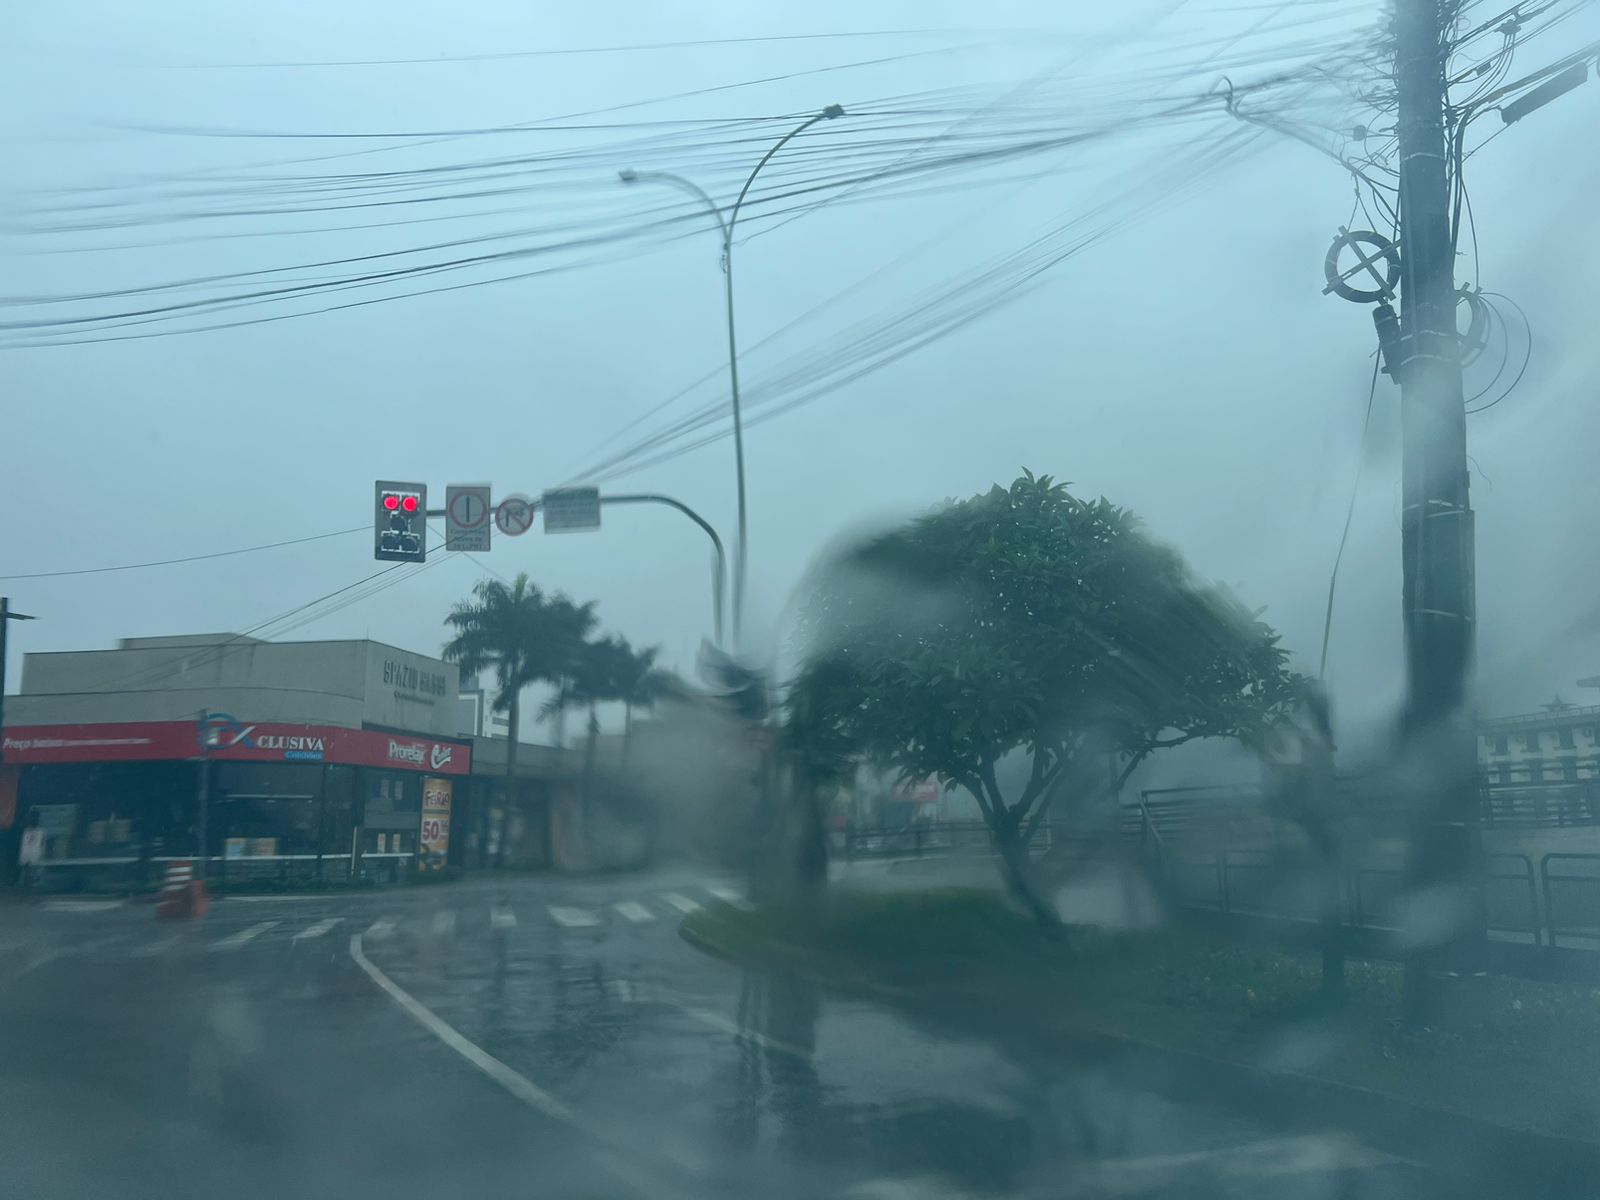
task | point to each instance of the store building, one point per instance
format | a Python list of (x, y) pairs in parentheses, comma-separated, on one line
[(330, 759)]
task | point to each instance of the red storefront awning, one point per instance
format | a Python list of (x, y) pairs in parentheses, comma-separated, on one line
[(149, 741)]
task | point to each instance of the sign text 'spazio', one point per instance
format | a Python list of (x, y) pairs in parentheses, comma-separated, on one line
[(408, 678)]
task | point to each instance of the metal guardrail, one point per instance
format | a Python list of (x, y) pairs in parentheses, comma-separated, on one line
[(1523, 901), (1559, 889), (930, 839), (144, 872)]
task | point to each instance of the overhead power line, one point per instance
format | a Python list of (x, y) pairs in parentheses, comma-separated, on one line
[(637, 47), (188, 558)]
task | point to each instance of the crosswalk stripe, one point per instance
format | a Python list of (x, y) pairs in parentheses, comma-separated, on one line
[(681, 902), (235, 940), (444, 922), (729, 896), (634, 911), (382, 927), (81, 906), (573, 918), (316, 930), (501, 918)]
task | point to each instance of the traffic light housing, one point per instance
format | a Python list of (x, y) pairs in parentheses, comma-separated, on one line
[(400, 522)]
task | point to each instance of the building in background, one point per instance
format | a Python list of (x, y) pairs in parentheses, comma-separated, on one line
[(1543, 767), (332, 759)]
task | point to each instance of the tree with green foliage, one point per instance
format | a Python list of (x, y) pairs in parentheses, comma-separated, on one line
[(641, 685), (520, 633), (1026, 619), (597, 678)]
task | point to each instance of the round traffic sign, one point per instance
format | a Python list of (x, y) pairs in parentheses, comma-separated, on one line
[(514, 515), (468, 509)]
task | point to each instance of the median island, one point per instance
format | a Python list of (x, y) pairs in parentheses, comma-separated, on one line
[(1243, 1017)]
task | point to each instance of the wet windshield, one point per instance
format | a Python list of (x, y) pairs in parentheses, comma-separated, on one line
[(1067, 668)]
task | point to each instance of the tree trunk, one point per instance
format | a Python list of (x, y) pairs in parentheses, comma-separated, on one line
[(588, 754), (1016, 868), (811, 852), (512, 717), (627, 737)]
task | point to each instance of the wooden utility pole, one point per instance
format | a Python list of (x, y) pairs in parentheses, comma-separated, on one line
[(1445, 983)]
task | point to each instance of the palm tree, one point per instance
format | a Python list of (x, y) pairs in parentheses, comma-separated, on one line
[(596, 680), (640, 685), (523, 635)]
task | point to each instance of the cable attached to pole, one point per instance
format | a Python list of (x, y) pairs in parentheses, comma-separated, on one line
[(1344, 536)]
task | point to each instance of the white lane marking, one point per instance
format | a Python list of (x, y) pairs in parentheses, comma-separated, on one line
[(573, 918), (681, 902), (382, 927), (634, 911), (81, 906), (155, 949), (646, 1182), (316, 930), (728, 896), (245, 936), (34, 964), (280, 899), (529, 1093), (1301, 1154), (501, 917), (444, 922), (912, 1187)]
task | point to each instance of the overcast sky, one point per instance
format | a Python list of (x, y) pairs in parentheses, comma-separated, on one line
[(1187, 365)]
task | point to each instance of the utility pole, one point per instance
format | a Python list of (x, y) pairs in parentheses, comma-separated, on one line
[(1445, 982), (6, 617)]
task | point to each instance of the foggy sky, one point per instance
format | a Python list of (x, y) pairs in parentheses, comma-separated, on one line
[(1188, 367)]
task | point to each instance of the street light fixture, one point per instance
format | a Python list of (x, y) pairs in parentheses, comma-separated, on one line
[(725, 226)]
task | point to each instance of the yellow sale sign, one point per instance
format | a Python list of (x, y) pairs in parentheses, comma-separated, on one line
[(434, 843)]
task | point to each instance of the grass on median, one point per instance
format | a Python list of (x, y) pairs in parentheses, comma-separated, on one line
[(967, 954)]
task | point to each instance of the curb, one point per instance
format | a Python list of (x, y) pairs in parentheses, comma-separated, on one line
[(1442, 1140)]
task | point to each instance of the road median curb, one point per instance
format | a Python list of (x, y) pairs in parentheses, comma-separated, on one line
[(1454, 1143)]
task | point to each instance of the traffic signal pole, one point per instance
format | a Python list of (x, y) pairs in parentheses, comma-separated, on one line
[(719, 555), (1445, 980)]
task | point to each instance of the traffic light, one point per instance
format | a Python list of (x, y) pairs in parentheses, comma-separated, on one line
[(400, 522)]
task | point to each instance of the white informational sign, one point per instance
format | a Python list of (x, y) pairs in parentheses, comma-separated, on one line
[(466, 517), (571, 510), (32, 852), (514, 516)]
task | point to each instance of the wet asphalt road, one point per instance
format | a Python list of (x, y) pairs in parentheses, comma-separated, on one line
[(552, 1038)]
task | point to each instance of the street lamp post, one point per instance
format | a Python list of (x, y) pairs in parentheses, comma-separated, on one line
[(725, 225)]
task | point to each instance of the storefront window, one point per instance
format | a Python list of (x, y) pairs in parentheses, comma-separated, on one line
[(111, 810), (338, 809), (265, 810), (391, 813)]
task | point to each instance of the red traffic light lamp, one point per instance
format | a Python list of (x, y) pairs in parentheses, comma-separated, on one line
[(400, 528)]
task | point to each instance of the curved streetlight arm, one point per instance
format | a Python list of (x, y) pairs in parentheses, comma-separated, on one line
[(720, 558), (688, 185), (827, 114)]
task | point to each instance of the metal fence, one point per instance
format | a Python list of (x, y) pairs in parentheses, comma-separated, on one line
[(933, 838), (134, 873), (1552, 902)]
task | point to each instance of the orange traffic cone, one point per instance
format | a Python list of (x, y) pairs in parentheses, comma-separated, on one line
[(182, 895)]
